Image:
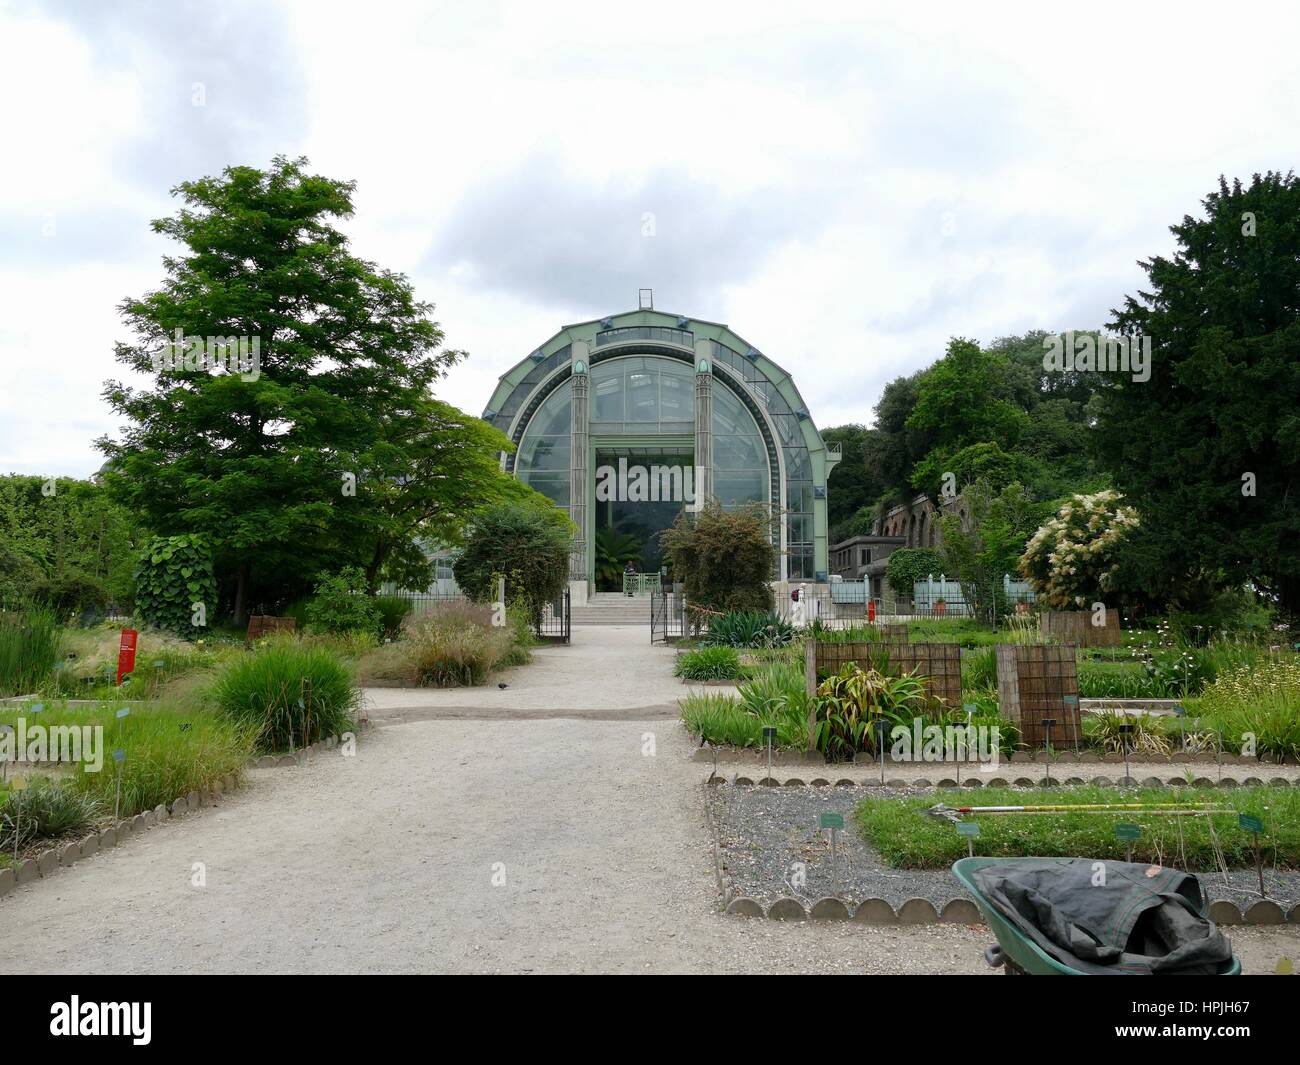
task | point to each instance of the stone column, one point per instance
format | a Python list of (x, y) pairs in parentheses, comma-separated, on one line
[(703, 421), (579, 473)]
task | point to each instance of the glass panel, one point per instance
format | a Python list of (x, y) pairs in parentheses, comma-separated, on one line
[(555, 486), (734, 487), (739, 453)]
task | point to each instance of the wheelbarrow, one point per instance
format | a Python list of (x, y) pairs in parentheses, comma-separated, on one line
[(1014, 952)]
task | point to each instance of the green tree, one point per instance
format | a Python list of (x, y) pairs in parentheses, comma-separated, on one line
[(1073, 558), (851, 485), (987, 544), (527, 542), (963, 400), (908, 565), (1208, 449), (724, 558), (262, 462)]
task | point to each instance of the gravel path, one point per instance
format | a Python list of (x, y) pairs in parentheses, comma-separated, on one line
[(607, 671), (763, 831)]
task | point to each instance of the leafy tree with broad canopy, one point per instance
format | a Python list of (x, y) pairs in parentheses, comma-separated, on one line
[(333, 450), (1073, 558), (1208, 449)]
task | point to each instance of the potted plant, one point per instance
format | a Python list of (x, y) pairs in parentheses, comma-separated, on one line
[(940, 607)]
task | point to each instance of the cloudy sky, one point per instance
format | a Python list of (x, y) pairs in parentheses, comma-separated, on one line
[(846, 189)]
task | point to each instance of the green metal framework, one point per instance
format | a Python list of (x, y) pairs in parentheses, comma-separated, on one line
[(797, 460)]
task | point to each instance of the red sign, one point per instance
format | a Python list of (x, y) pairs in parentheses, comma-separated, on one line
[(126, 654), (871, 610)]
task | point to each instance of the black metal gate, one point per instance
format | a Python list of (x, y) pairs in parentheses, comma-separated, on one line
[(556, 624), (667, 616)]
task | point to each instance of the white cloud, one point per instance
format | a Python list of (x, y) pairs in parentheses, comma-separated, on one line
[(847, 190)]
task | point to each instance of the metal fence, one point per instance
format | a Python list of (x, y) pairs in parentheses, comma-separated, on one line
[(667, 617)]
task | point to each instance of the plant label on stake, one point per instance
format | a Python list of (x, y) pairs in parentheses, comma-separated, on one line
[(1071, 702), (1128, 833), (880, 746), (119, 756), (1047, 724), (18, 784), (769, 734), (1124, 732), (969, 829), (5, 730), (834, 822), (1254, 825)]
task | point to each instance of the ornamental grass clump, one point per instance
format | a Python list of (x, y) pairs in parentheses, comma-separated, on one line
[(1254, 707), (292, 693), (457, 644)]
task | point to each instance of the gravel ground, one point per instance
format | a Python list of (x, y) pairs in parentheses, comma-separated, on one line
[(763, 831)]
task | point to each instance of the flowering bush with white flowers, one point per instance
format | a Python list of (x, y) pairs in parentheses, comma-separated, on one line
[(1072, 559)]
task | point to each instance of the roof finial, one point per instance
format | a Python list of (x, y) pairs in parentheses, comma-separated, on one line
[(645, 299)]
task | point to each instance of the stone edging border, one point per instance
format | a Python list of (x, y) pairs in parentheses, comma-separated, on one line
[(1004, 782), (922, 911), (748, 755), (50, 861), (298, 757)]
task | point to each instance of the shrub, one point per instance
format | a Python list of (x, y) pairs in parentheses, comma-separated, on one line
[(1073, 558), (708, 663), (290, 693), (340, 604), (724, 558), (392, 610), (911, 564), (71, 593), (46, 810), (30, 641), (525, 542), (1146, 735), (748, 628), (174, 575), (456, 644)]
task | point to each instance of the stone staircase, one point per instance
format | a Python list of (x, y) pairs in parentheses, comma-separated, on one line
[(613, 608)]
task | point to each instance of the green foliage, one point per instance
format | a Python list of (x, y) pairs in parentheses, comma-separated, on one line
[(980, 550), (851, 486), (48, 540), (979, 669), (30, 642), (723, 557), (528, 544), (392, 610), (850, 702), (748, 628), (290, 694), (708, 663), (1260, 700), (773, 697), (340, 604), (909, 838), (71, 593), (908, 565), (1223, 318), (614, 550), (175, 573), (45, 810)]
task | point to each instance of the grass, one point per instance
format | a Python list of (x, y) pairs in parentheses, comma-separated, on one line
[(30, 642), (46, 810), (1254, 703), (169, 751), (453, 645), (773, 697), (709, 663), (289, 693), (907, 837)]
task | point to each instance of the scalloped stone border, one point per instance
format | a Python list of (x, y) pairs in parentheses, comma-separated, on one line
[(50, 861), (298, 757), (959, 910)]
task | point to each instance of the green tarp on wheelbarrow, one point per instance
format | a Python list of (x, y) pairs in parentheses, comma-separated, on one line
[(1105, 917)]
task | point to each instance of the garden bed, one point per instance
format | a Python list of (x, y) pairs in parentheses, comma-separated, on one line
[(762, 831)]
